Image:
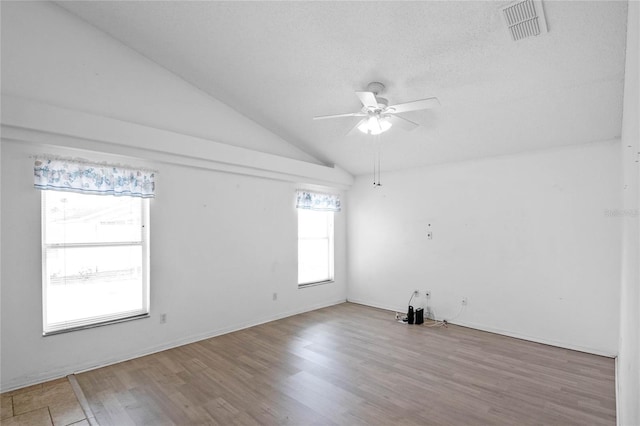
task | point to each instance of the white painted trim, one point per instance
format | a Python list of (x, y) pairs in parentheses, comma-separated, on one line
[(377, 305), (579, 348), (77, 369), (29, 121), (482, 327)]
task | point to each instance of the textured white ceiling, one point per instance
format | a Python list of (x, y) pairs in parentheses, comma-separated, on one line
[(282, 63)]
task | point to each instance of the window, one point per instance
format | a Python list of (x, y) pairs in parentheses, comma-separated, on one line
[(95, 256), (315, 246)]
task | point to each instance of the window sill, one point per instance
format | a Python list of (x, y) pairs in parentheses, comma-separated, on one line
[(99, 324), (313, 284)]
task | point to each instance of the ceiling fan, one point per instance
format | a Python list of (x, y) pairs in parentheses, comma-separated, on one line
[(378, 115)]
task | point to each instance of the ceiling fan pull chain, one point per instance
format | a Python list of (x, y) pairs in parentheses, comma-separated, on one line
[(379, 155), (374, 168), (376, 160)]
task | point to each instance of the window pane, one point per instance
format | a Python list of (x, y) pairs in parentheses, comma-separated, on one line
[(312, 224), (82, 218), (95, 259), (313, 260), (91, 282), (315, 246)]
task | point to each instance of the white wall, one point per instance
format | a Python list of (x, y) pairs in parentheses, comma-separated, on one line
[(221, 244), (525, 238), (51, 56), (628, 367), (223, 224)]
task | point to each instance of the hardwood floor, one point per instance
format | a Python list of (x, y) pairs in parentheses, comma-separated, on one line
[(354, 365)]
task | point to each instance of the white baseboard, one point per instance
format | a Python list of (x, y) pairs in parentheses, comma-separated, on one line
[(509, 333), (377, 305), (564, 345), (92, 365)]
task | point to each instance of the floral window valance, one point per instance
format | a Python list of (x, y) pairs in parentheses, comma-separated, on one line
[(77, 176), (317, 201)]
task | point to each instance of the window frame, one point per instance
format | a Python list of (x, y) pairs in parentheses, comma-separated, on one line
[(103, 320), (330, 215)]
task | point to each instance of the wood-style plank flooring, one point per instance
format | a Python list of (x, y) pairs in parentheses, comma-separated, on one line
[(355, 365)]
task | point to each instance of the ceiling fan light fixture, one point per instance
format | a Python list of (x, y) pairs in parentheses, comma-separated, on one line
[(364, 126), (384, 124), (374, 125)]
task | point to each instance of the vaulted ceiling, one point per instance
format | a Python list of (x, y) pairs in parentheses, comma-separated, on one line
[(282, 63)]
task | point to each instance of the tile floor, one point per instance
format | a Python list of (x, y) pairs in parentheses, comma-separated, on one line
[(52, 404)]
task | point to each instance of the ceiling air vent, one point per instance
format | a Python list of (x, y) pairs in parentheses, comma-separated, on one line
[(525, 19)]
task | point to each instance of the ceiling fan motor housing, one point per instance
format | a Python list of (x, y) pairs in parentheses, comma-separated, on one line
[(375, 87)]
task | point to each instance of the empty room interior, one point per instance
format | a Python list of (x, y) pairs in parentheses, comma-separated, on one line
[(320, 213)]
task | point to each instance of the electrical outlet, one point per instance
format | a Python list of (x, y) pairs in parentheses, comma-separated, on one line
[(163, 318), (429, 235), (464, 301), (427, 293)]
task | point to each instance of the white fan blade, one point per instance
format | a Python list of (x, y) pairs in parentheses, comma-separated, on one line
[(350, 114), (368, 99), (355, 129), (401, 122), (414, 105)]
